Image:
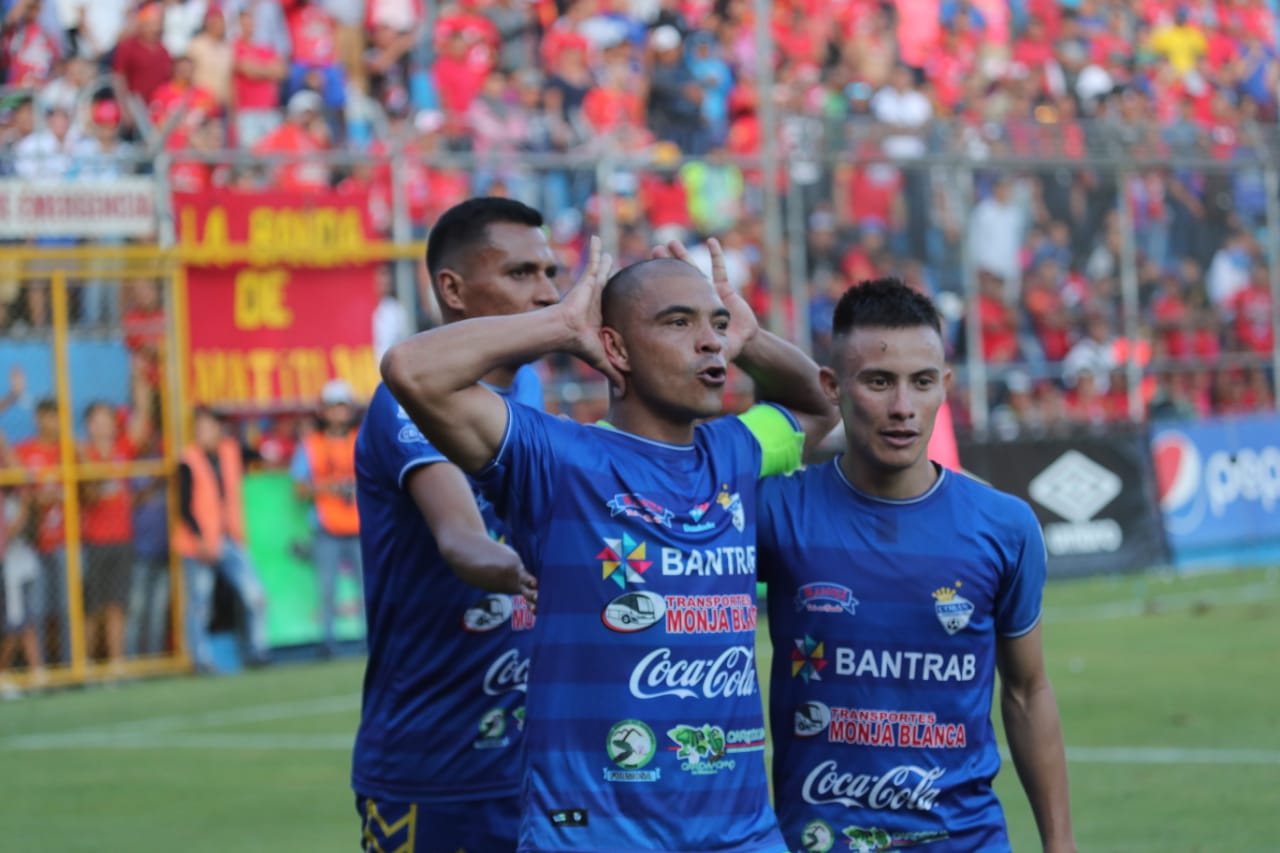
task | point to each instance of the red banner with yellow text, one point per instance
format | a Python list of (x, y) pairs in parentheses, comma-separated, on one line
[(279, 297)]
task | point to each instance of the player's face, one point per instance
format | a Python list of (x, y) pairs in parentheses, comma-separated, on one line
[(889, 385), (674, 337), (515, 273)]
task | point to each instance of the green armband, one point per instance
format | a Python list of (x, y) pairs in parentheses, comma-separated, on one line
[(781, 442)]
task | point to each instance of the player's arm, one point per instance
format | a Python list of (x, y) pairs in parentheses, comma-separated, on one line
[(783, 374), (786, 376), (1034, 731), (443, 496), (435, 375)]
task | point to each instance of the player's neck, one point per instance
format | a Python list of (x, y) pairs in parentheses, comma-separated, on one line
[(626, 416), (501, 377), (888, 484)]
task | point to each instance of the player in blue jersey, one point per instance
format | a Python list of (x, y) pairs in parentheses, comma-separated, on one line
[(897, 590), (645, 731), (438, 760)]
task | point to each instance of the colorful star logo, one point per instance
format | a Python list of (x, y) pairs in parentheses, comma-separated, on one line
[(808, 659), (624, 560)]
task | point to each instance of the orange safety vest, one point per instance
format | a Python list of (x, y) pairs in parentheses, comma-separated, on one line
[(218, 512), (333, 463)]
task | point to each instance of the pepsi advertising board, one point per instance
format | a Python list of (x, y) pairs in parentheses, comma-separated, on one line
[(1219, 482), (1094, 495)]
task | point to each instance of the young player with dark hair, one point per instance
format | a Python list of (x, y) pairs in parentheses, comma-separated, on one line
[(897, 591)]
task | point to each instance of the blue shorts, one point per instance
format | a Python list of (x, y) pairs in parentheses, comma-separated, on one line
[(480, 826)]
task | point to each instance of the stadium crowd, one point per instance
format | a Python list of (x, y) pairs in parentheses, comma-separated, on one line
[(879, 101)]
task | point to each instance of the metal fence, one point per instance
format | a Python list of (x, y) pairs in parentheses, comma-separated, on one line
[(90, 588), (1100, 211)]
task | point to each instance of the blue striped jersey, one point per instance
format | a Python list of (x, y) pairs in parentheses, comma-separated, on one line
[(645, 725), (884, 617), (442, 717)]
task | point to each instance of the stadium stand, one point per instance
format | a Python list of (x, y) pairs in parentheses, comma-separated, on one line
[(514, 96)]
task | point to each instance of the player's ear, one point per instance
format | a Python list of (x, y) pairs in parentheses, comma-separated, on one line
[(615, 349), (947, 380), (830, 385), (449, 291)]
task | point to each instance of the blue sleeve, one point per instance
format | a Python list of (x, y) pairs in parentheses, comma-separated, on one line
[(300, 467), (1022, 582), (398, 445), (769, 505), (527, 388), (522, 477)]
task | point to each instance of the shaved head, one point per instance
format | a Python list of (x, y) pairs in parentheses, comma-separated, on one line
[(623, 289)]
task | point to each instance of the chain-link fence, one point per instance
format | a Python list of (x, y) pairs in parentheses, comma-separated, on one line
[(87, 466)]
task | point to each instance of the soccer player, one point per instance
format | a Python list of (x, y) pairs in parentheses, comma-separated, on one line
[(438, 761), (644, 724), (897, 590)]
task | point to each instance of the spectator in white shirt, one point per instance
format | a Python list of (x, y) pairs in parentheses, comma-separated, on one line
[(905, 111), (390, 319), (996, 227), (49, 154)]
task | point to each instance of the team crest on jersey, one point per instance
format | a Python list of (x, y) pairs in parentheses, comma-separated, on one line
[(952, 608), (817, 837), (811, 719), (493, 730), (824, 597), (631, 745), (487, 614), (637, 506), (808, 659), (732, 504), (623, 560)]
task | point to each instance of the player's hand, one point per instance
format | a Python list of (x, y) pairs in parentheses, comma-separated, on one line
[(743, 325), (513, 578), (580, 309)]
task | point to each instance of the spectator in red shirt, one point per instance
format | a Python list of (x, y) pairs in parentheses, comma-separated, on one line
[(29, 53), (257, 71), (998, 320), (1251, 311), (304, 133), (41, 456), (180, 100), (107, 527), (141, 59), (314, 64), (458, 76)]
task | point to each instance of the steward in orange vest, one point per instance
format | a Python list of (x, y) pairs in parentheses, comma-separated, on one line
[(331, 463), (211, 510)]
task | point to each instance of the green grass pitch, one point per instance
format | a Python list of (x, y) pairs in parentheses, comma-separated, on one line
[(1168, 689)]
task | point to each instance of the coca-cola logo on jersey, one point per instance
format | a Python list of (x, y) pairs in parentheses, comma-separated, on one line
[(732, 673), (903, 787), (508, 672)]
